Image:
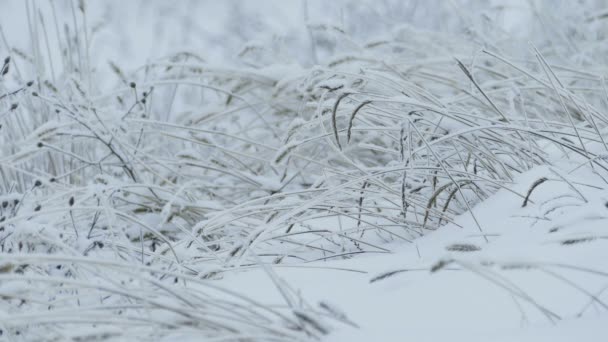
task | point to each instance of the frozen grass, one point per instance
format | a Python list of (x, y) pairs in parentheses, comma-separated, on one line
[(121, 206)]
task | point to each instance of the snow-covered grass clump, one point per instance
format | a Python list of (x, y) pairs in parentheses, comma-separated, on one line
[(462, 142)]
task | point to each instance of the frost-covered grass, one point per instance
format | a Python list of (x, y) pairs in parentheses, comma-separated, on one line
[(136, 201)]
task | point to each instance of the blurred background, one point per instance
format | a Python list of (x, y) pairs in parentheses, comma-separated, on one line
[(256, 33)]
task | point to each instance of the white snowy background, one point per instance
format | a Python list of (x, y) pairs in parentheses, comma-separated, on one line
[(303, 170)]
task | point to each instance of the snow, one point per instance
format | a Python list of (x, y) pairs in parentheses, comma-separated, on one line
[(460, 304), (208, 199)]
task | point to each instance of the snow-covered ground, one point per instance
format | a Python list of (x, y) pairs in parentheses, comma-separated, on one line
[(534, 281), (303, 170)]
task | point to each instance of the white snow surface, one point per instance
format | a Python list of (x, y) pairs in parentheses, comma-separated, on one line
[(494, 294)]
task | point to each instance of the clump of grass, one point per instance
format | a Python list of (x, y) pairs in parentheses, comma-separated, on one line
[(139, 184)]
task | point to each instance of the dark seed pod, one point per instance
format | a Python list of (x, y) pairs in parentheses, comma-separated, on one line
[(132, 85), (5, 70), (40, 144), (37, 183), (38, 207), (7, 59), (14, 106), (71, 202), (4, 204), (29, 83)]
